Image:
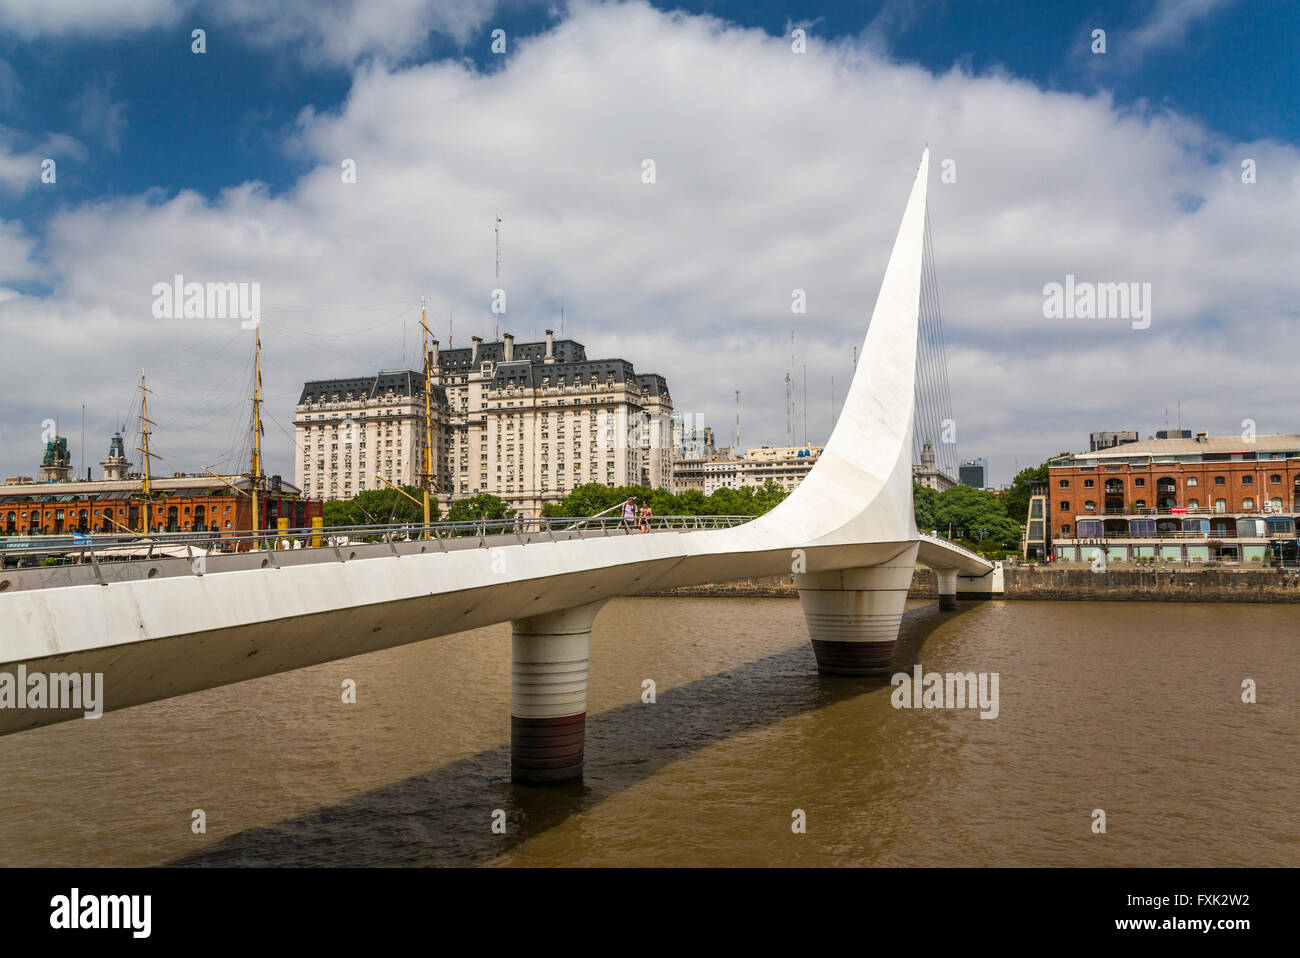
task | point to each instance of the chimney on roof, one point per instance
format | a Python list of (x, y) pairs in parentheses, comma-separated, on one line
[(433, 357), (550, 346), (473, 349), (509, 340), (1200, 437)]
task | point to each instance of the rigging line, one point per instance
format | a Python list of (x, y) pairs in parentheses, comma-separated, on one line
[(207, 358), (927, 371), (326, 309), (943, 349), (356, 332), (924, 396)]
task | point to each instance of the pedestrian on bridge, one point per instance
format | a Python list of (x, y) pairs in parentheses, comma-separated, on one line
[(646, 515), (629, 515)]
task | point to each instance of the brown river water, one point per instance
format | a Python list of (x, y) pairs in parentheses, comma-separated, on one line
[(1132, 708)]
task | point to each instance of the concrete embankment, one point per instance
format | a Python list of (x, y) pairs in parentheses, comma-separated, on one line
[(1027, 582)]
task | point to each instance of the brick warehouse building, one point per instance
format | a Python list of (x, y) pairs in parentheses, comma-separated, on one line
[(113, 506), (1178, 500)]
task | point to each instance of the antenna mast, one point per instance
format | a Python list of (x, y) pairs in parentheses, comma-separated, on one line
[(735, 445), (497, 229), (789, 411)]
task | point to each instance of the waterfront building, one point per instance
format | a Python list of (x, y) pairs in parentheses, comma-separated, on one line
[(784, 465), (115, 505), (1036, 534), (527, 422), (974, 473), (928, 474), (350, 432), (1191, 500)]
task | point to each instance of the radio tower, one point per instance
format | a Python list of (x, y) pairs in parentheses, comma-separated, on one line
[(789, 411), (735, 445), (497, 229)]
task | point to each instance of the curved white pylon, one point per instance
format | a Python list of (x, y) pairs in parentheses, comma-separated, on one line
[(860, 489)]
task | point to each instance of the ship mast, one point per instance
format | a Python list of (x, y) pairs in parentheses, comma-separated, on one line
[(145, 423), (428, 419), (255, 474)]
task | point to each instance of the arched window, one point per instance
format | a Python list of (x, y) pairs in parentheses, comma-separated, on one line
[(1193, 503), (1248, 503), (1090, 506), (1247, 480), (1220, 505), (1219, 481), (1275, 478), (1193, 481)]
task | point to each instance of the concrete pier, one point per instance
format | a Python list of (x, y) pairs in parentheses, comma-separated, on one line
[(947, 589), (548, 694), (854, 615)]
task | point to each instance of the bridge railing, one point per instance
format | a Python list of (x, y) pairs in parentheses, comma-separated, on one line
[(19, 551)]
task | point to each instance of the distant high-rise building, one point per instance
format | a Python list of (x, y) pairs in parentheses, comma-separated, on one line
[(1108, 440), (974, 473), (1173, 434)]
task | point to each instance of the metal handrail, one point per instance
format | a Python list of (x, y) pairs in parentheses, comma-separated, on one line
[(94, 546)]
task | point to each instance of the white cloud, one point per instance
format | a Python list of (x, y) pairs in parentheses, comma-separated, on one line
[(775, 171), (332, 31), (98, 114), (32, 18), (21, 156), (1169, 23)]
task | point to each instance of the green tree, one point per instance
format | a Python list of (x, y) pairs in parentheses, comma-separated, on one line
[(378, 506), (1016, 498), (923, 505), (975, 515), (476, 507)]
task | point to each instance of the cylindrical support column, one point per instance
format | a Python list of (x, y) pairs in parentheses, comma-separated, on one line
[(854, 615), (548, 695), (947, 589)]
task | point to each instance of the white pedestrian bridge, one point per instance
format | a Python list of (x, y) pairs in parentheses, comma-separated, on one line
[(847, 535)]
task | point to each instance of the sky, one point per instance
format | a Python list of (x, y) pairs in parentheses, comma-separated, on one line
[(1161, 153)]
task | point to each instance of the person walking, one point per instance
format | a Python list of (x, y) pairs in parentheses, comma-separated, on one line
[(629, 515), (646, 514)]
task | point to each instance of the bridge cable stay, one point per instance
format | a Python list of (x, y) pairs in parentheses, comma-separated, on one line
[(933, 419)]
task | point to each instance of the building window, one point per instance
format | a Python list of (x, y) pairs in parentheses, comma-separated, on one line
[(1274, 478), (1089, 506), (1219, 481), (1064, 484), (1087, 483), (1193, 481), (1065, 529), (1193, 503), (1139, 481), (1247, 480), (1220, 505), (1065, 506)]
